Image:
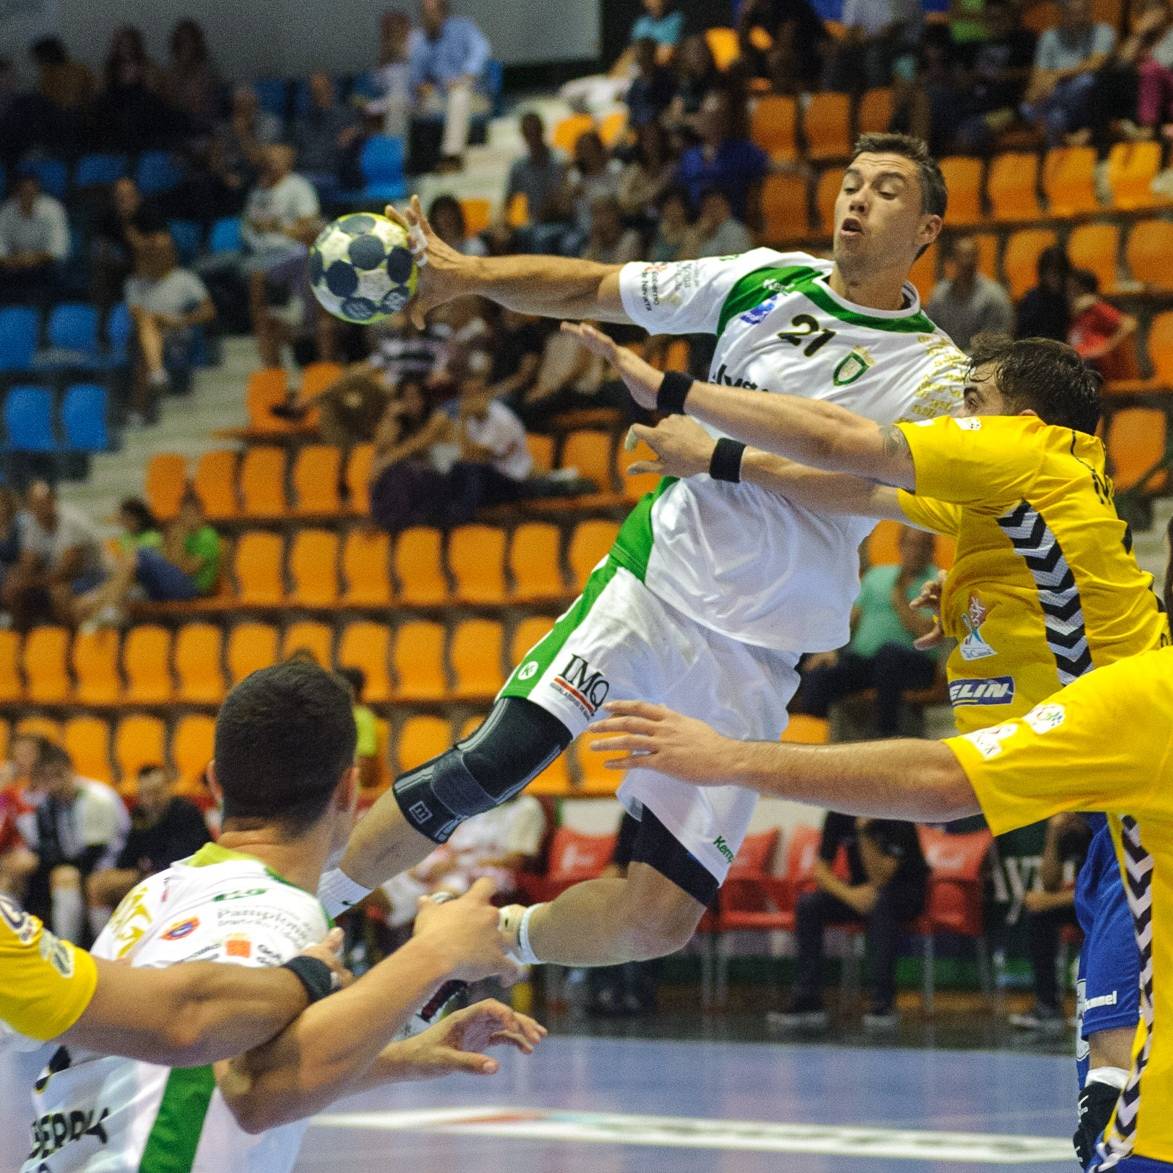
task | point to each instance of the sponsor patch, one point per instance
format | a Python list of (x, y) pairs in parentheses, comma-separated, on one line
[(973, 646), (238, 945), (587, 689), (528, 671), (1044, 718), (968, 423), (759, 313), (181, 929), (988, 742), (996, 690)]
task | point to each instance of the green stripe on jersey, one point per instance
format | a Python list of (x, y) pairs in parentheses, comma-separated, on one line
[(761, 284), (633, 543), (175, 1136)]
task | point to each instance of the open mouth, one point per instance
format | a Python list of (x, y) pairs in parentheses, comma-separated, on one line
[(850, 227)]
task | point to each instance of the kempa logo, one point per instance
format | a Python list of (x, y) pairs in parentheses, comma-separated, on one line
[(589, 689), (723, 847), (528, 671)]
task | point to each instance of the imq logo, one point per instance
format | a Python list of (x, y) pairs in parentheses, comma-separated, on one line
[(586, 688)]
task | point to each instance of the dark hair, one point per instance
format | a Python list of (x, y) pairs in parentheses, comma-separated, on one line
[(1085, 280), (1046, 376), (284, 737), (152, 768), (675, 191), (356, 678), (450, 204), (141, 512), (51, 756), (934, 193), (48, 51), (1053, 257)]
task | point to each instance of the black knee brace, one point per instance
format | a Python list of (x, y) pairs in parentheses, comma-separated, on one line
[(512, 746)]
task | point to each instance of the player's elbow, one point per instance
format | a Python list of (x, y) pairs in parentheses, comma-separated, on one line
[(254, 1113), (945, 789)]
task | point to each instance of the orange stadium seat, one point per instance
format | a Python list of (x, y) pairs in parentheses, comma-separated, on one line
[(478, 212), (262, 482), (476, 560), (418, 567), (250, 646), (313, 568), (923, 273), (517, 212), (94, 656), (146, 664), (215, 485), (317, 470), (635, 485), (569, 130), (1136, 446), (774, 126), (963, 174), (309, 636), (1096, 246), (723, 45), (1039, 15), (87, 740), (317, 376), (257, 564), (589, 450), (166, 482), (419, 662), (476, 653), (826, 126), (874, 114), (1020, 260), (612, 130), (527, 633), (139, 741), (1131, 170), (541, 451), (45, 675), (826, 193), (987, 247), (366, 568), (42, 727), (358, 479), (11, 688), (1069, 180), (883, 545), (191, 750), (266, 388), (535, 562), (364, 644), (1148, 253), (589, 543), (1011, 186), (199, 649), (785, 208), (421, 739), (5, 738), (1160, 348)]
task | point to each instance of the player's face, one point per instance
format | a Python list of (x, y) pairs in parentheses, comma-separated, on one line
[(982, 395), (879, 220)]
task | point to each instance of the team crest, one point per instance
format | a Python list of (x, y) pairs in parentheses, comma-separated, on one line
[(1044, 718), (973, 646), (852, 366), (183, 928)]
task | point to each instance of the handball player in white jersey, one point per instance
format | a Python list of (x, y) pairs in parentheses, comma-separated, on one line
[(714, 588)]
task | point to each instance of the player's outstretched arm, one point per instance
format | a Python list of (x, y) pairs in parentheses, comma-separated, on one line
[(189, 1015), (557, 287), (896, 779), (333, 1045)]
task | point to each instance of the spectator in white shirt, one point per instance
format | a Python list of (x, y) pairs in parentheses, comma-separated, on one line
[(34, 242)]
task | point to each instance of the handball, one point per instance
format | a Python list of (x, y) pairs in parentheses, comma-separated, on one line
[(361, 268)]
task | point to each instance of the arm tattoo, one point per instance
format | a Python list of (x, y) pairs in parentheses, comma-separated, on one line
[(895, 442)]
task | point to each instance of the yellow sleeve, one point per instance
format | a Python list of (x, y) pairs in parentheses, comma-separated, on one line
[(942, 517), (48, 983), (1100, 744), (984, 462)]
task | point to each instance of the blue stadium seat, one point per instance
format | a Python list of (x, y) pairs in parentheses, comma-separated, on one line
[(53, 174), (157, 172), (273, 94), (28, 420), (119, 330), (225, 236), (18, 338), (188, 236), (84, 414), (381, 162), (72, 336), (99, 170)]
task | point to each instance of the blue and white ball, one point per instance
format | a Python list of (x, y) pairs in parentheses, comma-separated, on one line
[(361, 269)]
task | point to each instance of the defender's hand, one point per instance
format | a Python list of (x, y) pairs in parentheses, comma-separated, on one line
[(656, 737), (641, 378), (464, 933), (682, 447), (929, 599), (455, 1043)]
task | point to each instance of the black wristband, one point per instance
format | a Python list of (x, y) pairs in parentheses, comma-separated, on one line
[(315, 975), (674, 389), (725, 463)]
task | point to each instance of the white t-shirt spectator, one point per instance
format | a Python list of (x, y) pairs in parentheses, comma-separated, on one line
[(45, 231), (176, 293), (503, 434), (290, 199), (1059, 50), (74, 529), (97, 817)]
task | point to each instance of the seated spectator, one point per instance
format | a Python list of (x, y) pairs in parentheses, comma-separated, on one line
[(924, 96), (67, 86), (518, 342), (117, 236), (595, 175), (1099, 332), (884, 890), (164, 828), (130, 114), (716, 232), (80, 827), (169, 305), (1059, 96), (237, 147), (16, 774), (696, 77), (60, 559), (1151, 45), (785, 41), (447, 217), (540, 176), (190, 83), (881, 654), (724, 158), (325, 136), (1047, 910), (672, 227), (447, 57), (1045, 311), (609, 243), (34, 242), (366, 750), (567, 378), (17, 863), (875, 34), (646, 177), (9, 534), (390, 82), (996, 79), (969, 303), (653, 87)]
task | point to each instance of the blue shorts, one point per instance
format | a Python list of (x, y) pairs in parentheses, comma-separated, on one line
[(1108, 986), (1140, 1165), (163, 581)]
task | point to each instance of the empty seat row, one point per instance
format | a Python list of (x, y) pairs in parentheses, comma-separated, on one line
[(69, 334), (819, 126), (37, 420), (155, 172)]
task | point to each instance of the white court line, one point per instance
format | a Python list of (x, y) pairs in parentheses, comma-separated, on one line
[(555, 1124)]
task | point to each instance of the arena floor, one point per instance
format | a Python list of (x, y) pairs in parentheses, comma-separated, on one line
[(615, 1104)]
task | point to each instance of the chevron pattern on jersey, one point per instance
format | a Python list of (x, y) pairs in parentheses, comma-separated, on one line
[(1138, 887), (1059, 599)]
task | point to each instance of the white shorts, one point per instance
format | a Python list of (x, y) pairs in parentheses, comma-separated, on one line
[(618, 641)]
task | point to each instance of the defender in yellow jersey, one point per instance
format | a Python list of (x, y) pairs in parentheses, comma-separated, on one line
[(1101, 743)]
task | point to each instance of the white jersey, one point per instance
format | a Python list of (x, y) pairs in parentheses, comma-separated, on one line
[(116, 1115), (738, 559)]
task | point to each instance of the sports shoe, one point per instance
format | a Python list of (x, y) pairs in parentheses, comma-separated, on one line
[(1039, 1017), (803, 1013)]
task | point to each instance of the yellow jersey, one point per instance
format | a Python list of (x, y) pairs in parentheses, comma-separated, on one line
[(1104, 743), (45, 983), (1044, 586)]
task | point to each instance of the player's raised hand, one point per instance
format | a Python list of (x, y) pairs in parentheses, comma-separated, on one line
[(682, 447), (641, 378), (456, 1043), (443, 272), (929, 599), (663, 740), (464, 935)]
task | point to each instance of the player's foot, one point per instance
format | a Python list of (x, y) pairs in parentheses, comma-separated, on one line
[(1039, 1017), (881, 1017), (803, 1013)]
